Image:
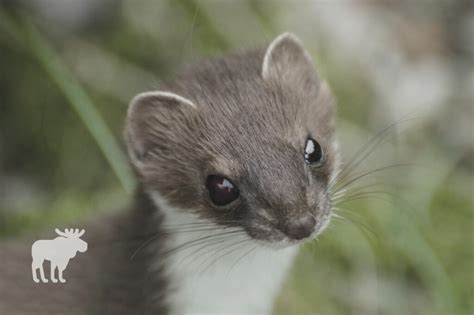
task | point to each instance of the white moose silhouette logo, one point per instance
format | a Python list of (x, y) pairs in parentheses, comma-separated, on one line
[(58, 251)]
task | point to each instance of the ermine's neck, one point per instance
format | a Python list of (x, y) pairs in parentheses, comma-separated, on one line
[(216, 270)]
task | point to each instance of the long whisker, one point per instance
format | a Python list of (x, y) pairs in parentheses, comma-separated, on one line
[(208, 244), (200, 223), (350, 218), (242, 257), (370, 144), (365, 151), (150, 236), (365, 174), (227, 252), (362, 194), (199, 241), (367, 197), (165, 229), (154, 237), (214, 251), (175, 231), (343, 192)]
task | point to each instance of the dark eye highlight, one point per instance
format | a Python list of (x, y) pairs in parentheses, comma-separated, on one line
[(313, 153), (221, 190)]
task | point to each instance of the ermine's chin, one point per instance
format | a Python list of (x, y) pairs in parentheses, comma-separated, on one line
[(286, 242), (277, 245)]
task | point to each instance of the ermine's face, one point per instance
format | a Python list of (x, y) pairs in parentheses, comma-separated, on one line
[(250, 144), (274, 186)]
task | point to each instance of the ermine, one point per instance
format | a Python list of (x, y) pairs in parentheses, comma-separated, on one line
[(234, 160)]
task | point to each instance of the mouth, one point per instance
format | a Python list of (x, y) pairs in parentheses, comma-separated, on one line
[(276, 239)]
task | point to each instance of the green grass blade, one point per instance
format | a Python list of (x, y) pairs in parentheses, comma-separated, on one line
[(81, 103)]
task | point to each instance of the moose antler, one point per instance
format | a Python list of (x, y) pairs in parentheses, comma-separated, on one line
[(61, 233), (70, 232)]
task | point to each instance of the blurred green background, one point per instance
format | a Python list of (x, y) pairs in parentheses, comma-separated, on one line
[(404, 241)]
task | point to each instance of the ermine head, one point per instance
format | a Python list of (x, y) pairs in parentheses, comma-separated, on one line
[(244, 140)]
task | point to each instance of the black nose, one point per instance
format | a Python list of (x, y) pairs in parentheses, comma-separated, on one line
[(300, 227)]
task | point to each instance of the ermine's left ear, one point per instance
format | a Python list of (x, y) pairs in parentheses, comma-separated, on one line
[(286, 60)]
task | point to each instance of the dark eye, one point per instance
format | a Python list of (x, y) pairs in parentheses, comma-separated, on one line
[(221, 190), (313, 154)]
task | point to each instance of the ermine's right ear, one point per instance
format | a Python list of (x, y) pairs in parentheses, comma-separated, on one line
[(155, 121)]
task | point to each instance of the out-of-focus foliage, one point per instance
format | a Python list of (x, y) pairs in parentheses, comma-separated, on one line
[(69, 68)]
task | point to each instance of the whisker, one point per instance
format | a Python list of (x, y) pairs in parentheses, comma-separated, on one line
[(370, 172), (376, 195), (154, 237), (362, 193), (202, 223), (368, 197), (242, 257), (350, 218), (227, 253), (354, 160), (207, 244), (351, 189), (365, 151), (175, 231), (222, 240), (199, 241), (160, 232)]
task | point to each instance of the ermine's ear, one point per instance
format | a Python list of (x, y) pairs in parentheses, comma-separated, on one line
[(286, 60), (156, 121)]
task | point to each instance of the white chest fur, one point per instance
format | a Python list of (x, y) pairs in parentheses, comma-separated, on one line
[(221, 271)]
